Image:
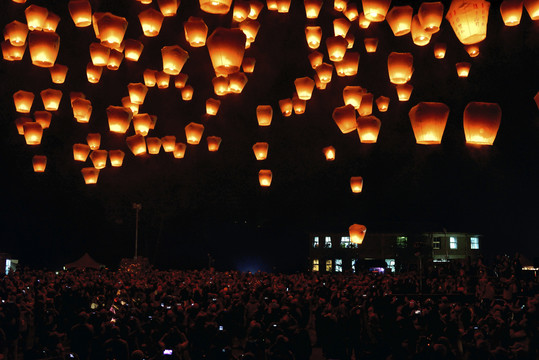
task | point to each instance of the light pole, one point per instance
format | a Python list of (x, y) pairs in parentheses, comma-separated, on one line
[(137, 207)]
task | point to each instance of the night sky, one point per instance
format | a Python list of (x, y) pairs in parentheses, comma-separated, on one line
[(212, 203)]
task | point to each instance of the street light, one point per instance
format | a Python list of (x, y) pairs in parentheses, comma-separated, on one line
[(137, 207)]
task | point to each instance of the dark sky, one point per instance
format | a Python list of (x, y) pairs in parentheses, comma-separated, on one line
[(212, 202)]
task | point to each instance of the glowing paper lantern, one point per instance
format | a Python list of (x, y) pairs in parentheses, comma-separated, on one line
[(81, 152), (365, 108), (169, 143), (187, 92), (94, 140), (472, 50), (265, 177), (196, 31), (115, 59), (352, 95), (240, 11), (213, 143), (110, 29), (324, 72), (142, 123), (357, 233), (313, 34), (371, 44), (150, 77), (286, 107), (283, 6), (126, 103), (304, 87), (430, 16), (180, 80), (51, 99), (349, 64), (351, 12), (212, 106), (319, 85), (220, 85), (264, 114), (58, 73), (74, 95), (99, 158), (36, 17), (137, 93), (16, 33), (82, 110), (226, 48), (420, 36), (368, 128), (19, 122), (151, 21), (154, 145), (174, 57), (32, 133), (468, 18), (260, 150), (237, 82), (340, 5), (90, 175), (329, 153), (255, 9), (336, 47), (23, 101), (179, 150), (312, 8), (356, 184), (428, 122), (383, 103), (532, 6), (162, 80), (316, 59), (43, 118), (536, 98), (400, 67), (193, 133), (43, 47), (168, 7), (81, 12), (93, 73), (116, 158), (439, 50), (136, 144), (248, 65), (51, 22), (39, 163), (399, 19), (341, 27), (12, 53), (119, 118), (99, 54), (298, 105), (215, 6), (375, 10), (481, 122), (363, 21), (463, 69), (350, 39), (345, 118), (132, 49), (250, 29), (404, 91)]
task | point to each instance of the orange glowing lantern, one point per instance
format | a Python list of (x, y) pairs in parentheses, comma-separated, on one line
[(133, 49), (193, 133), (213, 143), (340, 5), (90, 175), (43, 47), (351, 12), (399, 19), (481, 122), (168, 7), (126, 103), (154, 121), (463, 69), (36, 17), (136, 144), (226, 48), (179, 150), (111, 29), (32, 133), (469, 18), (286, 107), (187, 92), (265, 177), (196, 31), (260, 150), (99, 158), (357, 233), (383, 103), (43, 118), (19, 122), (39, 163), (16, 33), (51, 99), (536, 98), (212, 106), (154, 145), (420, 36), (404, 91), (215, 6), (329, 153), (375, 10), (430, 16), (363, 21), (241, 11), (82, 110), (336, 46), (119, 118), (319, 85), (316, 59), (313, 34), (298, 105), (283, 6), (81, 12), (115, 59), (341, 27), (238, 81), (174, 57), (304, 87), (255, 9), (151, 21), (23, 101), (99, 54), (345, 118), (439, 50), (93, 73), (162, 80), (58, 73), (400, 67), (312, 8), (169, 143), (180, 80), (93, 140), (250, 29), (150, 77), (350, 39), (368, 128), (532, 6), (81, 152), (141, 124), (472, 50), (365, 108), (137, 92), (248, 65), (51, 23), (272, 5), (116, 158), (352, 95), (264, 114), (12, 53), (356, 184), (349, 64), (74, 95), (428, 122), (324, 72), (220, 85), (371, 44)]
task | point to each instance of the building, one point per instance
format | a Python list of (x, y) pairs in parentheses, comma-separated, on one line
[(392, 251)]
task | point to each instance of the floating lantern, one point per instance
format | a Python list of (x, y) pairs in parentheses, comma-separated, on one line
[(430, 15), (399, 19), (439, 50), (32, 133), (81, 12), (481, 122), (119, 118), (511, 11), (428, 122), (350, 39), (36, 17), (93, 73), (365, 108), (351, 12), (363, 21), (151, 21), (82, 110), (94, 140), (74, 95), (313, 34), (90, 175), (179, 150), (111, 29), (16, 33), (51, 99), (352, 95), (371, 44), (341, 27), (324, 72), (472, 50), (193, 133), (12, 53), (187, 92), (349, 64), (286, 107), (44, 48), (126, 103), (345, 118), (174, 57), (23, 101), (215, 6), (220, 85), (304, 87), (260, 150), (532, 6), (99, 158), (162, 80), (196, 31), (383, 103), (375, 10), (180, 80), (237, 82), (19, 122), (241, 11), (99, 54), (255, 9), (283, 6), (137, 92), (136, 144), (51, 23), (265, 177), (141, 124), (212, 106), (213, 143), (469, 18), (169, 143), (298, 105), (58, 73), (404, 91), (356, 184), (81, 152), (329, 153), (133, 49), (340, 5), (357, 233), (150, 77), (226, 48), (39, 162), (400, 67), (264, 114), (43, 118), (154, 121), (312, 8), (420, 36), (168, 7), (250, 29), (154, 145), (115, 59), (248, 65), (463, 69), (319, 85), (116, 157), (536, 98), (368, 128), (316, 59), (336, 47)]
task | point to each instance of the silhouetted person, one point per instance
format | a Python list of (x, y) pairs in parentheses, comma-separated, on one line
[(81, 336), (116, 348)]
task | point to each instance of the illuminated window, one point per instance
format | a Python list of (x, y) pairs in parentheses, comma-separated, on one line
[(327, 242), (474, 243), (316, 242), (329, 265), (390, 264), (346, 243), (354, 261), (437, 243), (402, 242), (316, 265), (338, 265), (453, 243)]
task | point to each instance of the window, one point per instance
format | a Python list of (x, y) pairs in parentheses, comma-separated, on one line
[(402, 242), (453, 243), (316, 242), (338, 265), (390, 264), (346, 243), (437, 243), (354, 261), (327, 243), (474, 243), (329, 265), (316, 265)]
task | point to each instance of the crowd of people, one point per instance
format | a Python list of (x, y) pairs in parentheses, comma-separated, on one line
[(451, 311)]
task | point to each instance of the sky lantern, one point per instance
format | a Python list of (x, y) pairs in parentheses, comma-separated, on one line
[(43, 47), (351, 12), (304, 87), (51, 22), (481, 122), (137, 92), (463, 69), (400, 67), (126, 103), (151, 21), (439, 50), (420, 36), (357, 233), (212, 106), (51, 99), (136, 144), (23, 101), (133, 49), (81, 12), (399, 19), (141, 124), (150, 77), (99, 158), (341, 26), (350, 39), (264, 114), (265, 177), (319, 85), (336, 46), (536, 98), (352, 95), (154, 145), (36, 17), (213, 143), (329, 153), (299, 105), (312, 8), (39, 162), (179, 150), (430, 15), (404, 91), (255, 7), (220, 85), (95, 18), (349, 64), (82, 110), (368, 128), (174, 57), (115, 60), (371, 44), (116, 158), (286, 107), (363, 21), (74, 95), (219, 7), (196, 31), (94, 140), (111, 29), (180, 80), (154, 121), (99, 54), (226, 48), (365, 108), (356, 184), (20, 121), (162, 80), (238, 80), (81, 152), (260, 150), (43, 118), (313, 34), (532, 6), (168, 7), (93, 73), (16, 33), (283, 6), (382, 103), (428, 122), (193, 133), (345, 118), (469, 18), (12, 53), (169, 143), (472, 50), (240, 11), (187, 92), (272, 5), (119, 118), (316, 59), (248, 65), (340, 5), (375, 10), (32, 133), (90, 175), (58, 73), (324, 73), (511, 11)]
